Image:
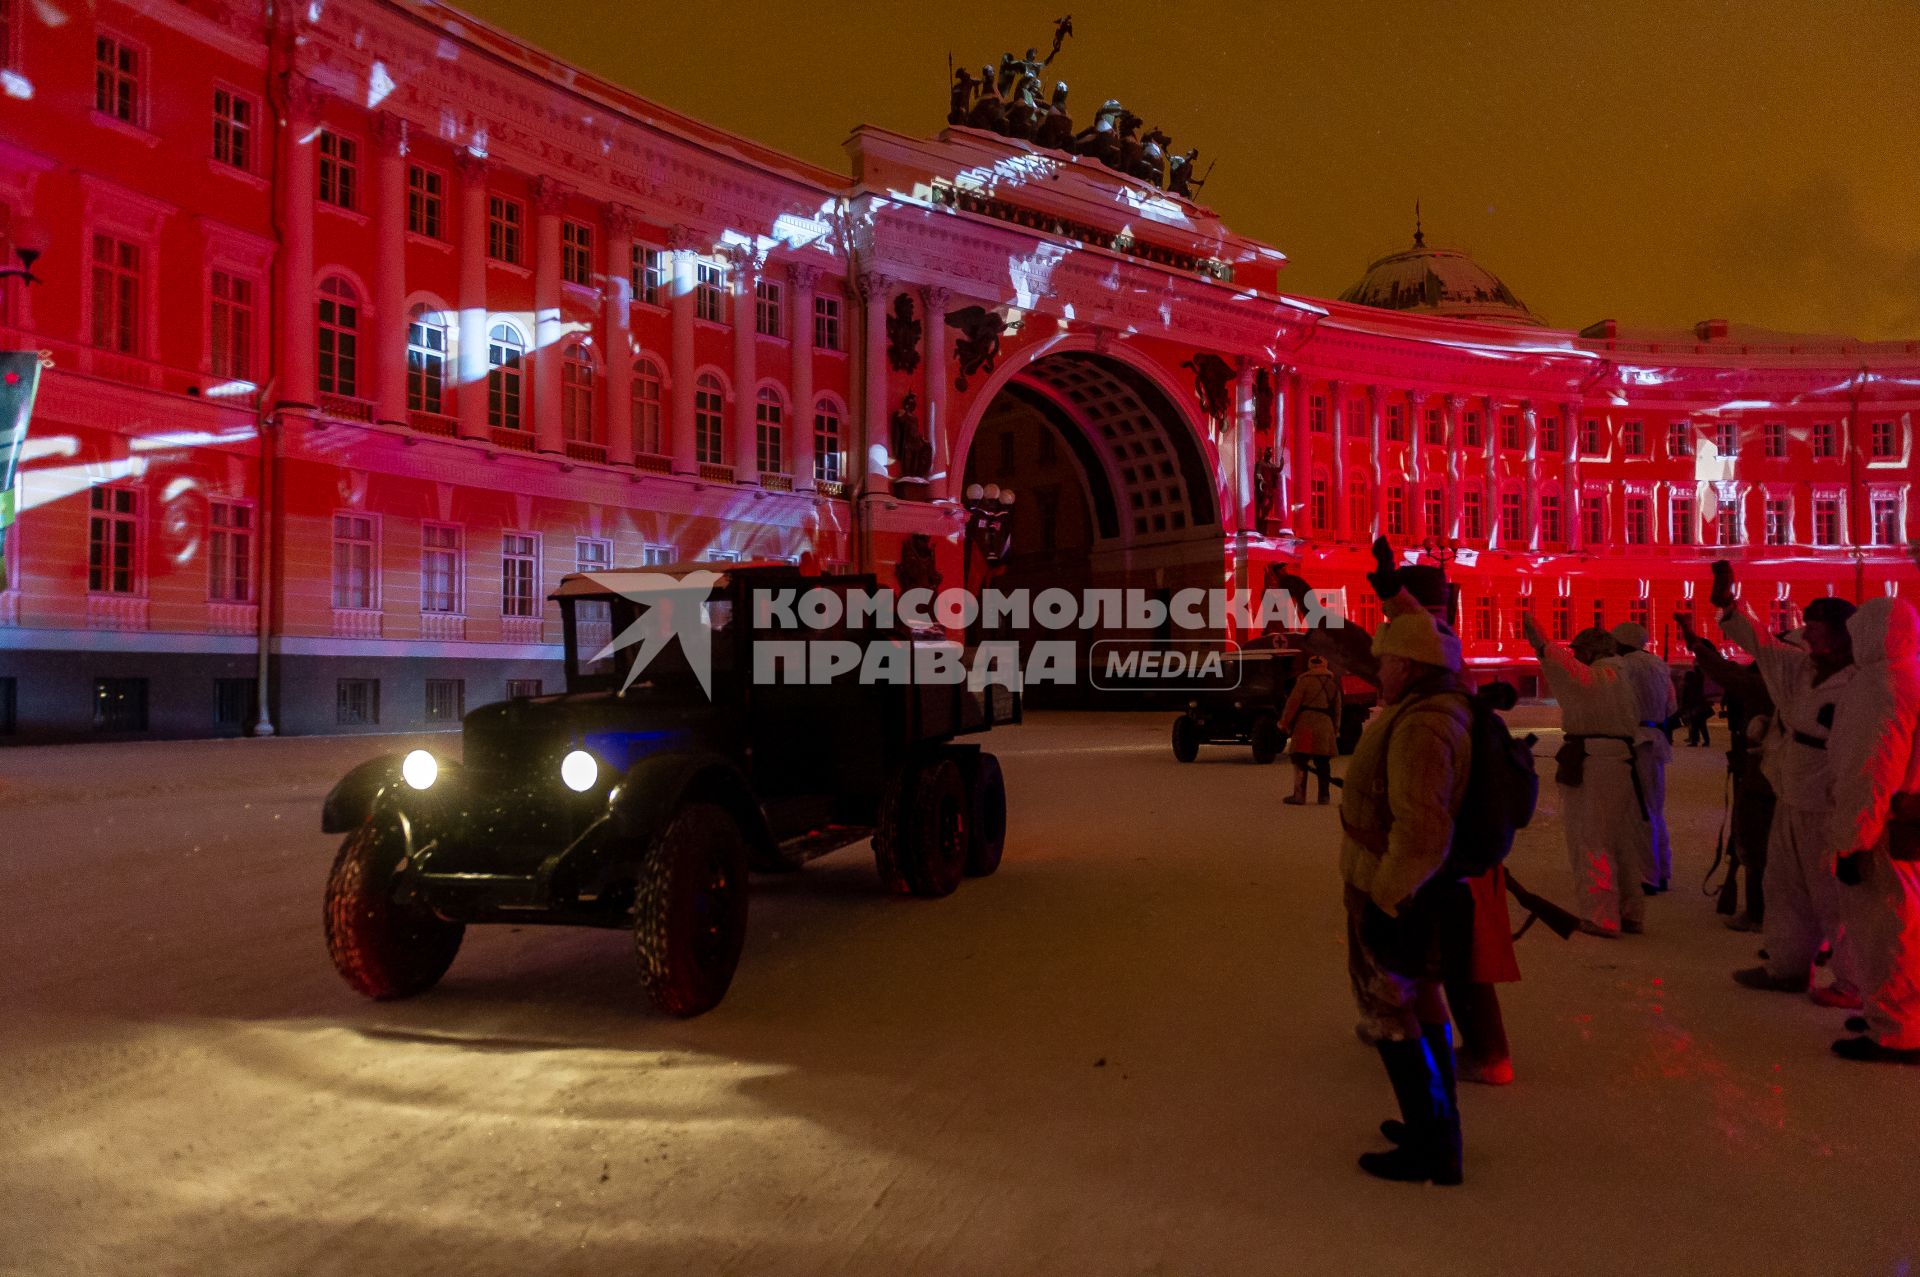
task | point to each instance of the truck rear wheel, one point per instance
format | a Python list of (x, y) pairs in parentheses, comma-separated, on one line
[(690, 910), (938, 816), (383, 947), (987, 834), (890, 830), (1266, 739), (1186, 739)]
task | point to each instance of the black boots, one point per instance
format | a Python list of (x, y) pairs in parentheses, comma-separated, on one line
[(1428, 1134), (1298, 797)]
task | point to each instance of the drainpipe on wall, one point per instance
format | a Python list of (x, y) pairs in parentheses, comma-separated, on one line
[(858, 531), (1857, 503), (266, 422)]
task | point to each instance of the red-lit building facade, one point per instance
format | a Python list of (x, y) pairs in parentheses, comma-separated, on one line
[(368, 323)]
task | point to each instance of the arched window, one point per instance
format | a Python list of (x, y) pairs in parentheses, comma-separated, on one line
[(506, 365), (769, 419), (709, 421), (339, 338), (426, 362), (648, 437), (828, 462), (576, 394)]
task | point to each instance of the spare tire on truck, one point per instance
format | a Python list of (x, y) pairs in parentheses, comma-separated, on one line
[(690, 910)]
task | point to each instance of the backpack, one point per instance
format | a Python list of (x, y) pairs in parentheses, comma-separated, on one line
[(1502, 788)]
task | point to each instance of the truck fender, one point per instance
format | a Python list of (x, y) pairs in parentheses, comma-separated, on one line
[(655, 788), (350, 801)]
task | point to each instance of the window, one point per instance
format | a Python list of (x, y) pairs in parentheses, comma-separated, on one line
[(1473, 514), (117, 68), (1823, 440), (1726, 524), (339, 336), (1591, 443), (1886, 520), (1513, 518), (230, 552), (1826, 520), (653, 556), (1633, 439), (1640, 611), (1470, 428), (1599, 614), (1775, 435), (116, 294), (230, 327), (576, 394), (1436, 427), (236, 703), (519, 574), (769, 419), (446, 700), (1510, 430), (1317, 508), (1486, 619), (357, 702), (1726, 438), (1562, 619), (234, 119), (426, 202), (591, 554), (1433, 513), (1317, 414), (1779, 521), (113, 541), (1679, 439), (506, 361), (339, 170), (1396, 511), (1396, 422), (505, 219), (1639, 528), (1882, 441), (710, 291), (353, 579), (648, 274), (1680, 518), (649, 435), (1359, 506), (119, 704), (426, 362), (826, 322), (519, 688), (576, 253), (1550, 530), (1548, 427), (709, 421), (441, 577), (1780, 616), (1593, 515), (826, 442), (769, 309)]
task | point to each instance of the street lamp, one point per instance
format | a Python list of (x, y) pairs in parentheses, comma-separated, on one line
[(28, 241)]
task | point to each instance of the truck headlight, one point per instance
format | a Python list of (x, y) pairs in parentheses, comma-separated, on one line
[(420, 769), (579, 771)]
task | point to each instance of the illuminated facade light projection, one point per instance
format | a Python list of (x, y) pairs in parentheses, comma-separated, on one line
[(369, 323)]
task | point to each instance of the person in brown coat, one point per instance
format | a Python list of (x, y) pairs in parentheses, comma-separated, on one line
[(1403, 789), (1311, 721)]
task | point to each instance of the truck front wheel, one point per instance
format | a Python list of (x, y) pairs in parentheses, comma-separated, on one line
[(690, 910), (987, 835), (1186, 738), (383, 947), (1267, 739)]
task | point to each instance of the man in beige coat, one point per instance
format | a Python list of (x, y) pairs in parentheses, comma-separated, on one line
[(1311, 721), (1403, 788)]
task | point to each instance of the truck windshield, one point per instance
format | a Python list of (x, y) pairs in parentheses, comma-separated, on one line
[(602, 641)]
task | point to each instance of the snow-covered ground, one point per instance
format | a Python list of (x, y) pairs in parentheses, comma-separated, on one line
[(1130, 1051)]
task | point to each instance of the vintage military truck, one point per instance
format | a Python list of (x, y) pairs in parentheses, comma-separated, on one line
[(1246, 709), (643, 799)]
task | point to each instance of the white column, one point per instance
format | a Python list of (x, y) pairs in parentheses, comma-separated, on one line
[(1570, 494), (1455, 448), (801, 281), (746, 452), (685, 278), (933, 301), (874, 291), (1530, 493), (1490, 503), (1241, 457), (549, 199), (1300, 453), (616, 337), (1376, 407), (298, 170), (1337, 471), (470, 350), (390, 270), (1283, 405)]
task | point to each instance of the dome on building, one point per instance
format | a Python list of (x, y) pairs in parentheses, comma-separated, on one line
[(1439, 281)]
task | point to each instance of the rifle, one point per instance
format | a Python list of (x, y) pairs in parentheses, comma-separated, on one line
[(1540, 909)]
